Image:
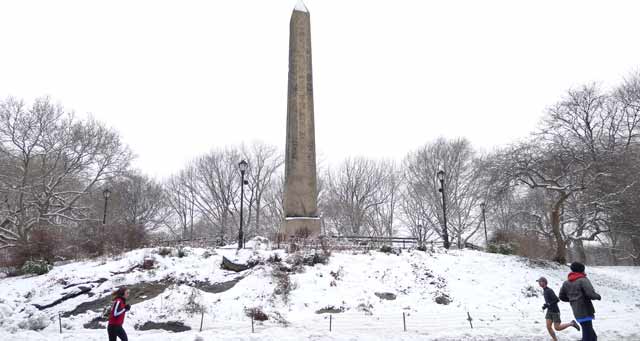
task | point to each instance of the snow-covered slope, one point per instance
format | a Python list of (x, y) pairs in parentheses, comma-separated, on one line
[(498, 292)]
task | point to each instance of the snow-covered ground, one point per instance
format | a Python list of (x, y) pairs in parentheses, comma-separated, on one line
[(493, 289)]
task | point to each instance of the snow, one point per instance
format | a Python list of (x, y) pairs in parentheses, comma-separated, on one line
[(302, 218), (487, 286), (300, 6)]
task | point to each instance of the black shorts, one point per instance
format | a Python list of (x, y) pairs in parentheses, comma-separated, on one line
[(116, 332), (555, 317)]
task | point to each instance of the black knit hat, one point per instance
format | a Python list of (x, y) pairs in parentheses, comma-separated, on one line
[(577, 267)]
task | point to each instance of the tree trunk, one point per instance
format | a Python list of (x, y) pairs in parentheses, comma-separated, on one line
[(581, 255), (258, 208), (636, 248), (561, 250), (613, 258)]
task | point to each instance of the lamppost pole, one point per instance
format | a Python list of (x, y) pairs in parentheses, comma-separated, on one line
[(445, 232), (243, 168), (484, 222), (106, 194)]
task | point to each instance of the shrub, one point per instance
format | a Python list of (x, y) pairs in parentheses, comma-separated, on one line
[(330, 309), (337, 275), (284, 285), (182, 252), (274, 258), (325, 246), (530, 291), (123, 237), (44, 243), (422, 248), (522, 243), (299, 260), (316, 258), (36, 267), (193, 304), (386, 249), (503, 249), (256, 313), (165, 251)]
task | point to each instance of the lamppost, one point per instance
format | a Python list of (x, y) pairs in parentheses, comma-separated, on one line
[(484, 222), (445, 232), (243, 165), (106, 194)]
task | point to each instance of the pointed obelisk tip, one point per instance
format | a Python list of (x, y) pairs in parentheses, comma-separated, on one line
[(301, 7)]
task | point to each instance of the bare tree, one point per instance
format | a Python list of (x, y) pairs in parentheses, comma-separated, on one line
[(354, 190), (422, 202), (216, 187), (539, 167), (264, 163), (273, 207), (52, 161), (137, 199), (381, 221), (181, 198), (416, 215)]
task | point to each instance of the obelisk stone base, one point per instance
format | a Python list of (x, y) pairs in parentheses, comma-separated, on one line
[(301, 227)]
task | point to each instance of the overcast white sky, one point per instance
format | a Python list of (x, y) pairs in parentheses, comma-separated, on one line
[(178, 78)]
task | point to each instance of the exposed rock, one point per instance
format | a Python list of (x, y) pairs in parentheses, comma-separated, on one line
[(75, 293), (97, 323), (172, 326), (148, 263), (443, 299), (231, 266), (216, 288), (125, 271), (386, 295), (137, 293), (99, 281), (148, 290)]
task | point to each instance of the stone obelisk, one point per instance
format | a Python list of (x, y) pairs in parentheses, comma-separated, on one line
[(300, 188)]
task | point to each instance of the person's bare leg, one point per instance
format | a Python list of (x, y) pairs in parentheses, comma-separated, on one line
[(551, 332), (562, 326)]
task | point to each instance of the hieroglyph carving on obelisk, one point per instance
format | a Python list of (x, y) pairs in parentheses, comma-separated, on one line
[(300, 192)]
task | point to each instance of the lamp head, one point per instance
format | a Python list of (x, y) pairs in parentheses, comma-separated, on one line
[(243, 165)]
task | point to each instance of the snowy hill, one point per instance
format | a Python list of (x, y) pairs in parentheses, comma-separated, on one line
[(363, 295)]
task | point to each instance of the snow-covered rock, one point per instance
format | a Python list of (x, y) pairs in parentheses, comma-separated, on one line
[(34, 319)]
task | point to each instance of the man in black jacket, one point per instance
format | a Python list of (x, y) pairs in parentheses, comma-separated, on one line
[(553, 312), (579, 292)]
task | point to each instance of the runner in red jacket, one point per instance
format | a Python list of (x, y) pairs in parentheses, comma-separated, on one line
[(117, 313)]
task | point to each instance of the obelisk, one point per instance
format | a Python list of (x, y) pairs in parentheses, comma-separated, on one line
[(300, 188)]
